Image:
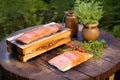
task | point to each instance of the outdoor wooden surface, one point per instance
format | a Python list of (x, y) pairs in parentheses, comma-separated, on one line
[(39, 69)]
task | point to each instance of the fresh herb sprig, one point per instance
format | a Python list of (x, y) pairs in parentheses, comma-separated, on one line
[(95, 47)]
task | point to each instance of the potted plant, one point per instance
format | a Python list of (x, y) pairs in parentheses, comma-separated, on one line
[(89, 13)]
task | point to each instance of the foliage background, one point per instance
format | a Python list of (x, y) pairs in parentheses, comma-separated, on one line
[(19, 14)]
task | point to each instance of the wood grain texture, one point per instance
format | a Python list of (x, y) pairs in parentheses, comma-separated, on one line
[(28, 51), (39, 69)]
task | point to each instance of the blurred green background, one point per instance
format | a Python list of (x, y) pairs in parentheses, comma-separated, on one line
[(20, 14)]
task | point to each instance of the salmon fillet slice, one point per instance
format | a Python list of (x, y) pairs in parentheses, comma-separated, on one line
[(39, 32), (69, 59)]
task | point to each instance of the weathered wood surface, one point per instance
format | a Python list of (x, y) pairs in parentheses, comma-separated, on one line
[(39, 69)]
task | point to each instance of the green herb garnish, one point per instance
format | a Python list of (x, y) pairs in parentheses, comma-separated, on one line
[(95, 47)]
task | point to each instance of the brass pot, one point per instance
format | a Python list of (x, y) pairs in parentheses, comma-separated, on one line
[(90, 32)]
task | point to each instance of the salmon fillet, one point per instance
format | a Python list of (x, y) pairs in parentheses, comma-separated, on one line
[(40, 32), (69, 59)]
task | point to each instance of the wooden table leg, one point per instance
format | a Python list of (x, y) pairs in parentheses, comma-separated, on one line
[(112, 77)]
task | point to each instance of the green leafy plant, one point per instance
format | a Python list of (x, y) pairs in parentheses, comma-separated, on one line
[(19, 14), (116, 31), (88, 12), (111, 14), (60, 7)]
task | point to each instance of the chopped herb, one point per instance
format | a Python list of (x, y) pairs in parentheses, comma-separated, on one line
[(68, 49)]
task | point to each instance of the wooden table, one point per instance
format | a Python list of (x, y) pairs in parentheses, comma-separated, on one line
[(39, 69)]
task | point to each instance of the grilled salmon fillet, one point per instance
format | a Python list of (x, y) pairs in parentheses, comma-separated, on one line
[(39, 32), (69, 59)]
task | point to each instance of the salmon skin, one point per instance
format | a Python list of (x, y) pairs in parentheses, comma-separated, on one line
[(39, 32), (69, 59)]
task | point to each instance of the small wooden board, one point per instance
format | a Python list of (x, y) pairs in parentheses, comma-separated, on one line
[(35, 48)]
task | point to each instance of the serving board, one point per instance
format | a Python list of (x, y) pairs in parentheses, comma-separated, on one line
[(25, 52)]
